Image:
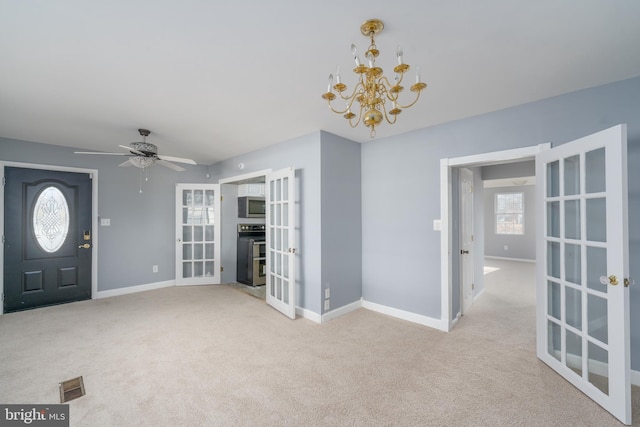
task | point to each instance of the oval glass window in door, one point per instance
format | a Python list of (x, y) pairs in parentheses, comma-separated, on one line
[(51, 219)]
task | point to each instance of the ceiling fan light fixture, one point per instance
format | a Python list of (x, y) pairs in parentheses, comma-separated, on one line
[(142, 162)]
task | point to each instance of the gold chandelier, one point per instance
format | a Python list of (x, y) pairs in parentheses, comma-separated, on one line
[(373, 90)]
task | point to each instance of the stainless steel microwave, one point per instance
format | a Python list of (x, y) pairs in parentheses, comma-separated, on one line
[(251, 207)]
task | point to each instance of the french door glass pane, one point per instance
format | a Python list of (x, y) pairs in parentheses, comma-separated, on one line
[(573, 307), (208, 233), (553, 300), (186, 233), (187, 197), (572, 219), (595, 171), (187, 270), (597, 314), (209, 199), (209, 251), (198, 197), (572, 263), (572, 175), (574, 352), (553, 259), (597, 220), (198, 251), (598, 367), (208, 267), (187, 252), (198, 270), (198, 233), (596, 267)]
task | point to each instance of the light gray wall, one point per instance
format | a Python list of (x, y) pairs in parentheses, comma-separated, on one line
[(401, 267), (341, 220), (509, 170), (303, 154), (142, 231), (519, 246)]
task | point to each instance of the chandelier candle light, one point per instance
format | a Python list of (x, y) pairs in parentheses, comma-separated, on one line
[(373, 90)]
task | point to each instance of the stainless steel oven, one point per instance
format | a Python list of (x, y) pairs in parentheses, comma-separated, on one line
[(251, 262), (259, 263)]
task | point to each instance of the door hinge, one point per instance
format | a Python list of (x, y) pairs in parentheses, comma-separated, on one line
[(221, 268), (4, 181), (221, 198), (473, 286)]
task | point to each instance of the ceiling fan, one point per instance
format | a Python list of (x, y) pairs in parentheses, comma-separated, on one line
[(144, 154)]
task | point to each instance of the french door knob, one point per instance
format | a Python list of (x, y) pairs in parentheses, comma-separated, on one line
[(463, 252), (611, 279), (85, 246)]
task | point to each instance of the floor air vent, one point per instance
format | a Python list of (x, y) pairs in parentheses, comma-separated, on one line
[(71, 389)]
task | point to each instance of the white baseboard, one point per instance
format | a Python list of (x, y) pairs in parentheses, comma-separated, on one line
[(635, 377), (341, 311), (406, 315), (134, 289), (475, 297), (510, 259), (308, 314)]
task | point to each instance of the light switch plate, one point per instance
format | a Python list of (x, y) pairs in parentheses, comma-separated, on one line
[(105, 222)]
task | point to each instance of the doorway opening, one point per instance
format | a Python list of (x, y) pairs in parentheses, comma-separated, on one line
[(452, 291), (241, 230)]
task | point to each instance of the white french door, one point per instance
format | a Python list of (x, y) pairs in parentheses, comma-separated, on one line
[(582, 267), (197, 234), (280, 239)]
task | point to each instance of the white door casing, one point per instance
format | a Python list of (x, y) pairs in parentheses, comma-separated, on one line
[(280, 239), (466, 239), (582, 312), (198, 234)]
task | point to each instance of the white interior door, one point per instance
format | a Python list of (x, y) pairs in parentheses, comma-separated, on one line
[(280, 219), (197, 234), (466, 238), (582, 262)]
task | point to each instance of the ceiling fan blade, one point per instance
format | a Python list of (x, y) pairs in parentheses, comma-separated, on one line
[(170, 165), (126, 164), (133, 150), (98, 152), (177, 159)]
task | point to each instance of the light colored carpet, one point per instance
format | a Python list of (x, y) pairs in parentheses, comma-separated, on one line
[(208, 356)]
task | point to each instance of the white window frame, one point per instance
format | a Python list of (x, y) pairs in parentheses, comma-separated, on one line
[(496, 213)]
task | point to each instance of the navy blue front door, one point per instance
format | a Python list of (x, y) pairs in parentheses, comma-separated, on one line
[(48, 238)]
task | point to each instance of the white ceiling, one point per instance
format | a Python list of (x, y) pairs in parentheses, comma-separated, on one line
[(215, 79)]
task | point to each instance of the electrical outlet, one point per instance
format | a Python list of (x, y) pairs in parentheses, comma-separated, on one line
[(327, 293), (326, 305), (155, 268)]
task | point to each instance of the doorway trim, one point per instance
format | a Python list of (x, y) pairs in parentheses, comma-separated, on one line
[(250, 175), (94, 216), (446, 234)]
